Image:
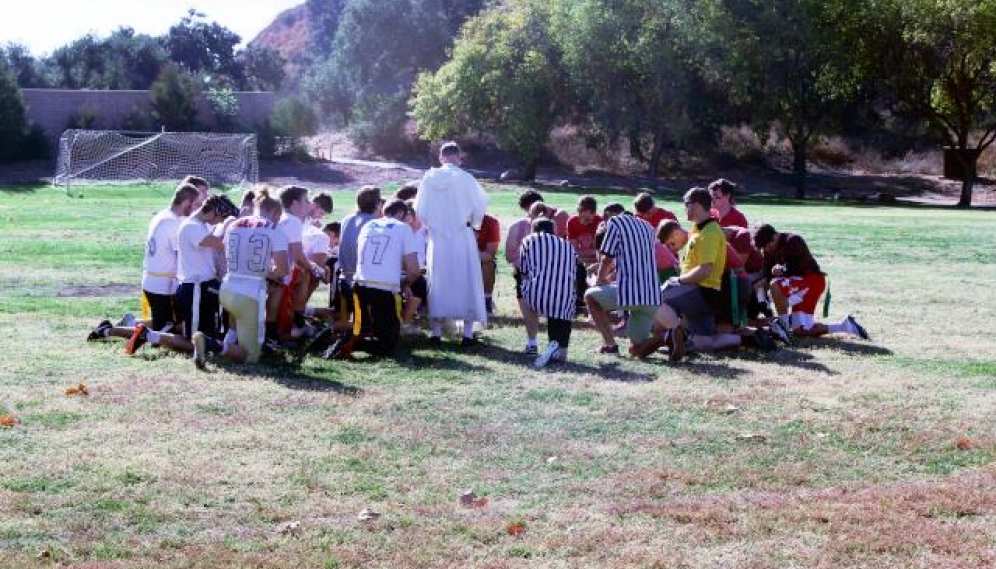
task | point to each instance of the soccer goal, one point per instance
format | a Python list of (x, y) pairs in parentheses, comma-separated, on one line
[(88, 156)]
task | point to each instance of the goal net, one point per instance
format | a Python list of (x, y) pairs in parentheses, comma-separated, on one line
[(120, 156)]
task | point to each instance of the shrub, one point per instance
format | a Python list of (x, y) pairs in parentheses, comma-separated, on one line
[(174, 99), (292, 120)]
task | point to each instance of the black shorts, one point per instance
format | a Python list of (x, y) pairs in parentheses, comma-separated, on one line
[(162, 308), (377, 321), (517, 276), (420, 289), (209, 318)]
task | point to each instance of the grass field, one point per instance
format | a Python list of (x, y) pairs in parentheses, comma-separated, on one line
[(870, 454)]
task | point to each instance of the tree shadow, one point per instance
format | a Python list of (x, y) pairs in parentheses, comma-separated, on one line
[(315, 172)]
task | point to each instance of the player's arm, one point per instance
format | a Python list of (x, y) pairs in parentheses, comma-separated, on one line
[(410, 265), (696, 275), (281, 266), (605, 265)]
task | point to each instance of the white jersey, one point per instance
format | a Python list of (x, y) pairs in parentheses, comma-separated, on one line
[(195, 263), (249, 245), (383, 243), (159, 266), (293, 228), (421, 244), (315, 241)]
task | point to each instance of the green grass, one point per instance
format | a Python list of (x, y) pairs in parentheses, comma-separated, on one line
[(605, 461)]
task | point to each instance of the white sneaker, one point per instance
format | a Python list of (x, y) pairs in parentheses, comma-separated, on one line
[(544, 358), (855, 329), (781, 331), (200, 349)]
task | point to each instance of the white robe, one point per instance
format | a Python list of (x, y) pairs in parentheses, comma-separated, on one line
[(450, 203)]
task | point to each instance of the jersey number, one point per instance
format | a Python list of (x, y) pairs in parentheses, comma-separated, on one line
[(379, 244), (258, 251)]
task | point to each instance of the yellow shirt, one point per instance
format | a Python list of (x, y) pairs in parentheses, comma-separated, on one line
[(706, 244)]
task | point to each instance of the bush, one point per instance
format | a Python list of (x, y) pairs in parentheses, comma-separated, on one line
[(174, 99), (266, 140), (34, 145), (85, 118), (292, 120), (379, 126), (225, 107), (12, 120)]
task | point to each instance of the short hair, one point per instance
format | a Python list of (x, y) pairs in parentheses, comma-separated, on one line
[(228, 207), (614, 208), (248, 198), (528, 198), (333, 227), (367, 199), (324, 201), (543, 225), (407, 191), (588, 203), (643, 203), (666, 228), (764, 235), (219, 205), (196, 181), (725, 187), (537, 209), (449, 149), (267, 206), (394, 207), (185, 192), (700, 196), (291, 194)]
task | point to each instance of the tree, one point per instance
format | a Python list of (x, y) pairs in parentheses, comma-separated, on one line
[(12, 118), (202, 47), (788, 62), (28, 71), (293, 119), (505, 77), (123, 60), (174, 99), (940, 59), (262, 68), (633, 70)]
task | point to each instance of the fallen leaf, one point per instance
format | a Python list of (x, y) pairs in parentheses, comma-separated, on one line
[(516, 529), (78, 389), (467, 498), (45, 554), (7, 420), (752, 437), (552, 459), (288, 528), (367, 515), (964, 444), (480, 502)]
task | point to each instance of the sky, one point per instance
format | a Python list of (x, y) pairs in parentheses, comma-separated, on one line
[(44, 25)]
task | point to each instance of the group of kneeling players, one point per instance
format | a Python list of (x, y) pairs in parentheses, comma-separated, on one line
[(237, 280)]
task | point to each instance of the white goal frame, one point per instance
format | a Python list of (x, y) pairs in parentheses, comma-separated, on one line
[(116, 156)]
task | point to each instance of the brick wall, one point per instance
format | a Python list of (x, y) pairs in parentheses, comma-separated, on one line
[(53, 109)]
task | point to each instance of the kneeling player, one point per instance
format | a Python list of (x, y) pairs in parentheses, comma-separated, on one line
[(387, 250), (796, 285), (256, 253)]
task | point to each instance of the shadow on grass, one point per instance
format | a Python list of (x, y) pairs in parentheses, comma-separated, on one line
[(862, 349), (316, 172), (284, 370)]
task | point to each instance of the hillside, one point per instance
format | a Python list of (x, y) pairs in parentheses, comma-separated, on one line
[(290, 35)]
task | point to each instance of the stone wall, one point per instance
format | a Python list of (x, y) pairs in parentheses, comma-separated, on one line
[(54, 109)]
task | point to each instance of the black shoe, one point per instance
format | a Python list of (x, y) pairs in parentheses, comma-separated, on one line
[(764, 341), (321, 341), (342, 348), (678, 338), (467, 343), (435, 342), (100, 332)]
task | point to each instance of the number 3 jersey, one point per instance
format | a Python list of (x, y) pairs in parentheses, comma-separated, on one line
[(382, 245), (249, 243)]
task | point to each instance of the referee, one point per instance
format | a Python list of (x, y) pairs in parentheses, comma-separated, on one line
[(548, 265)]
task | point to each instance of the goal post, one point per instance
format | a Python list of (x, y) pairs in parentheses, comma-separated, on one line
[(102, 156)]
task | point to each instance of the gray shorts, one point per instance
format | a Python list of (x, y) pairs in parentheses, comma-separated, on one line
[(689, 302), (640, 320)]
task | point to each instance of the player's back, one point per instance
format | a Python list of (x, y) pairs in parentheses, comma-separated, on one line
[(249, 244), (382, 244)]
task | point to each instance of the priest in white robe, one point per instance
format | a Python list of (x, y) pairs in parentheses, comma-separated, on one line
[(451, 204)]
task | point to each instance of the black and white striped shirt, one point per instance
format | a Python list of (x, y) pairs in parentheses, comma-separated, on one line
[(548, 265), (630, 241)]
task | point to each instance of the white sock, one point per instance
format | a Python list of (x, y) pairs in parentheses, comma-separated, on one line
[(838, 328), (468, 328), (531, 343), (436, 327), (153, 337), (230, 337)]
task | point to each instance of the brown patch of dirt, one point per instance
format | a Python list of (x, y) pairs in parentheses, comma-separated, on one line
[(98, 290)]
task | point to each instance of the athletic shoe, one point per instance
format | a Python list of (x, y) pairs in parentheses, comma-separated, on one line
[(530, 351), (764, 341), (489, 306), (677, 344), (855, 329), (127, 321), (646, 347), (467, 343), (781, 331), (305, 331), (200, 349), (100, 332), (341, 348), (320, 341), (613, 349), (138, 338), (551, 349)]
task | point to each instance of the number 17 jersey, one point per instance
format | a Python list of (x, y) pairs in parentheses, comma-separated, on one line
[(249, 244), (383, 243)]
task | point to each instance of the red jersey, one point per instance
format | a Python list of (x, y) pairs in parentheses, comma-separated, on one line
[(733, 218), (655, 216), (584, 234), (740, 239), (490, 233)]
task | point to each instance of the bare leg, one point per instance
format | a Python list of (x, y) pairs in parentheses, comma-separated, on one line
[(779, 300), (717, 342), (411, 309), (531, 320), (176, 343), (818, 329), (600, 319)]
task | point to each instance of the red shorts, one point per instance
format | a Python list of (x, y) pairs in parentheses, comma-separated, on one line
[(802, 293), (285, 316)]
